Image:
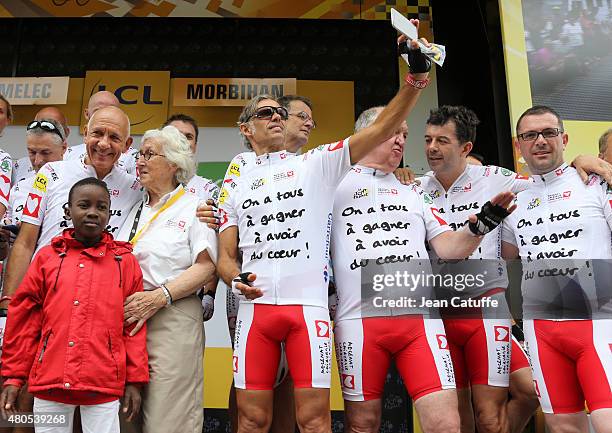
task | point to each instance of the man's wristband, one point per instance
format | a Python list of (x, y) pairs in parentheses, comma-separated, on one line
[(417, 84), (167, 294)]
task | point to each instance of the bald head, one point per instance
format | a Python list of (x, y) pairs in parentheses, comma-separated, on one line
[(99, 100), (114, 114), (55, 114)]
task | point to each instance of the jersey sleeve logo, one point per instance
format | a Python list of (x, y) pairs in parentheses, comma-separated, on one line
[(234, 169), (6, 185), (435, 212), (223, 196), (40, 182), (32, 206), (336, 146), (6, 166)]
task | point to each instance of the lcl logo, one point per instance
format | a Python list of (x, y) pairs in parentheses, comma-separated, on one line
[(129, 94)]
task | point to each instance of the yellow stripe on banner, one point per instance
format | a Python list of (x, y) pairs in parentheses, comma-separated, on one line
[(218, 379), (4, 13)]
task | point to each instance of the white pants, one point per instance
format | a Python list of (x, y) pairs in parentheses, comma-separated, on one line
[(97, 418)]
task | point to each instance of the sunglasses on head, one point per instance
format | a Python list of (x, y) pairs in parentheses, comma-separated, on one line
[(46, 126), (269, 111)]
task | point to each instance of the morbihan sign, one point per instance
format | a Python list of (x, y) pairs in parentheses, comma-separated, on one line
[(210, 92)]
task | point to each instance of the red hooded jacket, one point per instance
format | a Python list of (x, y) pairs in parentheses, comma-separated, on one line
[(65, 322)]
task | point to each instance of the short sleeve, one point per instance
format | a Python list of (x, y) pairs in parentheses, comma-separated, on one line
[(434, 223), (333, 160), (508, 232), (37, 196), (201, 238)]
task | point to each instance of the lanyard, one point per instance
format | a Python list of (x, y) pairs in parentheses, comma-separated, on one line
[(134, 238)]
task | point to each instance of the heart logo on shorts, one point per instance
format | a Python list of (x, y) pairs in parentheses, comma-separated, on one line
[(322, 328), (348, 381), (235, 364), (442, 341), (502, 333)]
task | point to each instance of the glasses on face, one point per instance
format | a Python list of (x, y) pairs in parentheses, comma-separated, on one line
[(46, 126), (267, 112), (546, 133), (304, 117), (148, 155)]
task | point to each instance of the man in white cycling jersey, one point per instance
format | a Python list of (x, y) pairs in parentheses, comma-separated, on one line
[(481, 348), (559, 217), (378, 220), (101, 99), (276, 217), (298, 126)]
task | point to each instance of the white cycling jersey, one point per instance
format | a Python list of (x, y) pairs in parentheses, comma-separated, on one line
[(283, 210), (48, 192), (203, 188), (472, 189), (559, 217), (376, 218), (127, 160), (22, 169)]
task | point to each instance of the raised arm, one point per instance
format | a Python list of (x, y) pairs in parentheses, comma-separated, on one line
[(398, 108)]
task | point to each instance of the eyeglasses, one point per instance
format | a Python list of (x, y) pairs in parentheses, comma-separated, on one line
[(45, 126), (148, 155), (304, 117), (546, 133), (268, 112)]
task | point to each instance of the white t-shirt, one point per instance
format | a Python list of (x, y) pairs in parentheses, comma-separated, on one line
[(172, 242), (376, 218), (472, 189), (48, 192), (127, 160), (283, 210)]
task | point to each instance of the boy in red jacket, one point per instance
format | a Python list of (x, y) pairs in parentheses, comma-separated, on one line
[(65, 334)]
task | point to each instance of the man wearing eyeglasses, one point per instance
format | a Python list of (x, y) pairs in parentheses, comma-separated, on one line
[(23, 169), (107, 135), (562, 217), (101, 99), (298, 126), (279, 218)]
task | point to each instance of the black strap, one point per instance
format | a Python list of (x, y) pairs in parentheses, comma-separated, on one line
[(135, 224)]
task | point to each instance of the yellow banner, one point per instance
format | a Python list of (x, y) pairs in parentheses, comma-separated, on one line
[(35, 90), (143, 95), (227, 92)]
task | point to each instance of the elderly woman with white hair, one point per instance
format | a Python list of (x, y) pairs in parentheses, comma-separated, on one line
[(176, 253)]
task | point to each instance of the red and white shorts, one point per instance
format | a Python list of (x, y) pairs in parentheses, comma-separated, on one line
[(260, 330), (480, 349), (365, 347), (571, 362), (518, 357)]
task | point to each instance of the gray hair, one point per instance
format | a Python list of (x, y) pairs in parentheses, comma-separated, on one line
[(38, 131), (247, 113), (367, 117), (603, 140), (176, 149)]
